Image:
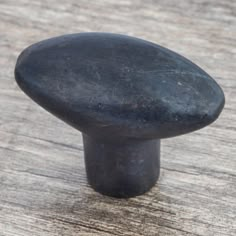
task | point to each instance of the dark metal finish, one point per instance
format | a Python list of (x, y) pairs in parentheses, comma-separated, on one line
[(124, 94), (122, 169)]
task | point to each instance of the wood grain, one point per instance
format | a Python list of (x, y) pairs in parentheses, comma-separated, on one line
[(43, 187)]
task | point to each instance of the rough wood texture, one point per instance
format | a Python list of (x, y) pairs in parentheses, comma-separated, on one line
[(43, 187)]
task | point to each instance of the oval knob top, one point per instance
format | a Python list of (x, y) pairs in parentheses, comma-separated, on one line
[(114, 85)]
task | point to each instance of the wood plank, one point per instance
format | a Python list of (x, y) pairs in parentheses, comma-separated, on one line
[(43, 186)]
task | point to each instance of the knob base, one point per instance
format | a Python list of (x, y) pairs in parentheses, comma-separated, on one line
[(122, 169)]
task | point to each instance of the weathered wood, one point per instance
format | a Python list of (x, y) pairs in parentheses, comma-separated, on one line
[(43, 187)]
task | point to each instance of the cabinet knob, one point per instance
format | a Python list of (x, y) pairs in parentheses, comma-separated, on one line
[(124, 94)]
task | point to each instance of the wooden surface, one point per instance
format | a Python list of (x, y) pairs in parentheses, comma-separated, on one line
[(43, 187)]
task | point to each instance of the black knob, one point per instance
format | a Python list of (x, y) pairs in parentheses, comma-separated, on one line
[(124, 94)]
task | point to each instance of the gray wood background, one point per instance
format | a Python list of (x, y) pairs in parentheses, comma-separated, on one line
[(43, 187)]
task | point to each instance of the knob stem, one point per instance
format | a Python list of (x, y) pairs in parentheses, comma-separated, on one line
[(122, 169)]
